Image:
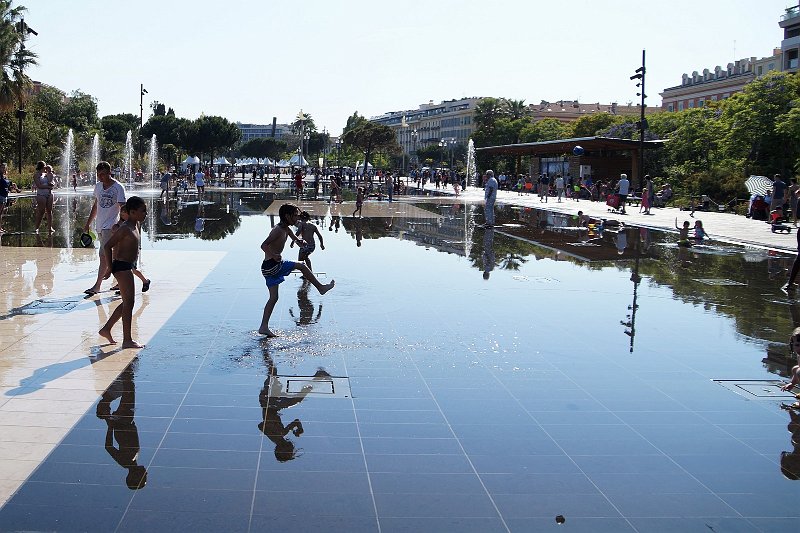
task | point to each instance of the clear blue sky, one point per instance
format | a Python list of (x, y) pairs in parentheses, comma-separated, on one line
[(251, 60)]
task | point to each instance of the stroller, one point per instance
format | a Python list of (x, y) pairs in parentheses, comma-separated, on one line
[(612, 201)]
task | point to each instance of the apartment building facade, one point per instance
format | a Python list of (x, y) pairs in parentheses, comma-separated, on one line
[(450, 120)]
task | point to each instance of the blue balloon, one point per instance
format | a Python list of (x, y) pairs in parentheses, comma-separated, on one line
[(578, 150)]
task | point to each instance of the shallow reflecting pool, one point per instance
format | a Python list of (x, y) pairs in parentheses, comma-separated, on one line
[(456, 379)]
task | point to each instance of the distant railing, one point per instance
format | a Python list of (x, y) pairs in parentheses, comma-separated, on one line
[(791, 13)]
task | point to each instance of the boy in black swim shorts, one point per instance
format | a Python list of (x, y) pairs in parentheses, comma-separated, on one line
[(274, 269), (125, 245)]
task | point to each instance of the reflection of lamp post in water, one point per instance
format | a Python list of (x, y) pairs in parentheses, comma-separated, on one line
[(630, 325)]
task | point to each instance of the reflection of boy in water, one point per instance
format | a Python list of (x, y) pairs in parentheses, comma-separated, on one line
[(790, 461), (306, 307), (273, 398), (122, 428)]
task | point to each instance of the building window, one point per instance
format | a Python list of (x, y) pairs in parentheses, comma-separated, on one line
[(671, 107), (680, 106), (760, 70), (691, 104), (714, 98)]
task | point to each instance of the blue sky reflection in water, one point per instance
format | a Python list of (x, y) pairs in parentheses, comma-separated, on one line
[(471, 398)]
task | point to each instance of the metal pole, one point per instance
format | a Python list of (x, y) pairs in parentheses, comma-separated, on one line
[(642, 128)]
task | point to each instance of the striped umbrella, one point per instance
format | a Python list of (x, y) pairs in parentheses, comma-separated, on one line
[(758, 185)]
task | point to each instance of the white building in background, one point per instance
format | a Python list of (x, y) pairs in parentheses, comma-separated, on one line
[(451, 120), (256, 131)]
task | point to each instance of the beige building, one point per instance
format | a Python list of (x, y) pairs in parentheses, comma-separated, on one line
[(570, 110), (451, 121)]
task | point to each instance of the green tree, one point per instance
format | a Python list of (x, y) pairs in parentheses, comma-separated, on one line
[(115, 127), (370, 137), (548, 129), (167, 129), (209, 135), (749, 119), (516, 109), (264, 147), (303, 121), (352, 121), (79, 112), (590, 125), (15, 58)]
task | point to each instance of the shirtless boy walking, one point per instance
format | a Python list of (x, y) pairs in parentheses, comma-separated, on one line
[(306, 231), (274, 269), (125, 244)]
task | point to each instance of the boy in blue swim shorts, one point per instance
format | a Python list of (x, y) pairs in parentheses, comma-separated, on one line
[(274, 269)]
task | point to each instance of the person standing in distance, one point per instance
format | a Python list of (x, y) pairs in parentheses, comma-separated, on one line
[(109, 196), (490, 195), (623, 188)]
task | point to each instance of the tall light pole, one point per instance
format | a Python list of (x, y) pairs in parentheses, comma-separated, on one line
[(339, 154), (443, 147), (639, 75), (414, 135), (23, 30), (142, 92), (403, 131)]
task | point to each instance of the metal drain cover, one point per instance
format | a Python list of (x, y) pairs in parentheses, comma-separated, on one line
[(321, 386), (720, 282), (52, 305), (757, 389)]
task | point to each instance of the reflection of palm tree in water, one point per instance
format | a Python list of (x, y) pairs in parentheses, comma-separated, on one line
[(273, 398), (122, 428), (306, 306)]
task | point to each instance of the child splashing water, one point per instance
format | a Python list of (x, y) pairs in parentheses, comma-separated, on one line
[(274, 269)]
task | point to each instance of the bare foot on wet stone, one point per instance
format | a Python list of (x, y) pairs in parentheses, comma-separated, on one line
[(106, 334), (132, 344)]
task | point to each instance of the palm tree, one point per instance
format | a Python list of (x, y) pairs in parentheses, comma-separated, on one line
[(303, 122), (487, 111), (516, 109), (14, 57)]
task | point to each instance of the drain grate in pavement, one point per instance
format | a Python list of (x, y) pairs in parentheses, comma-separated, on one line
[(320, 385), (719, 282), (756, 389)]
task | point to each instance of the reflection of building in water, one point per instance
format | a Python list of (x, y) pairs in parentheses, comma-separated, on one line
[(445, 234)]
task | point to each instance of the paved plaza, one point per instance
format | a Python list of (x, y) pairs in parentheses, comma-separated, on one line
[(456, 379)]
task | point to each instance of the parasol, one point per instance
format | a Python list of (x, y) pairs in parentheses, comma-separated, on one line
[(758, 185)]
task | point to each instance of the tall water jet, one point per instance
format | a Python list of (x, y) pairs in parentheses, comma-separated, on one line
[(127, 170), (94, 158), (471, 170), (68, 157), (152, 163), (68, 163)]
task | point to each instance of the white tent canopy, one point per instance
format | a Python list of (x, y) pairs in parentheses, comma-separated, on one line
[(221, 161), (191, 160), (298, 161)]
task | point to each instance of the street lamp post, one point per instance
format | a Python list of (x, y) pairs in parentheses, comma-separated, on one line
[(443, 148), (142, 92), (639, 75), (414, 135), (339, 154), (23, 30)]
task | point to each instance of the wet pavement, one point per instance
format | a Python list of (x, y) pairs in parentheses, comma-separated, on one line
[(456, 379)]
